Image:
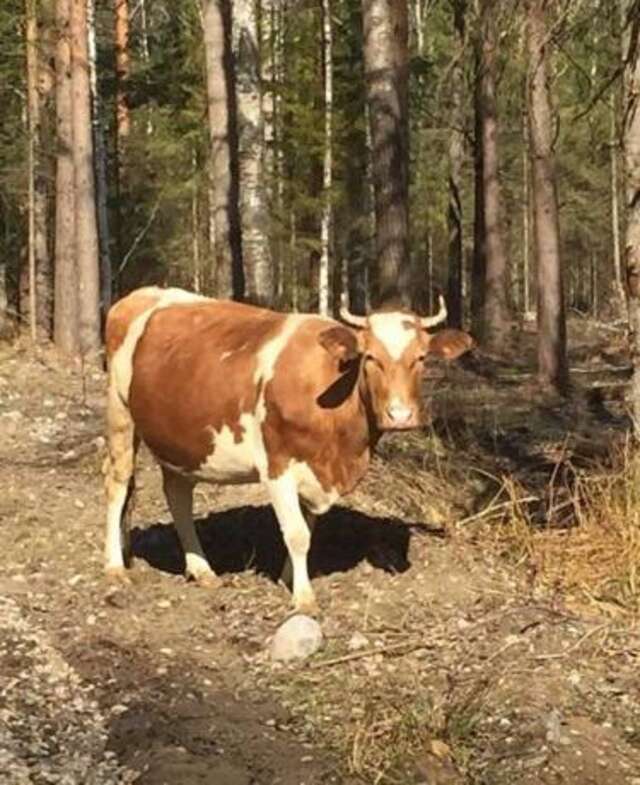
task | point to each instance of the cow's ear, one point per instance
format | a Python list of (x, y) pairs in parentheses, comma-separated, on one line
[(340, 342), (450, 344)]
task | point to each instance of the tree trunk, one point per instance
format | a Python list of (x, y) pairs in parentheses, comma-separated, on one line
[(40, 295), (552, 351), (223, 135), (86, 232), (386, 71), (496, 308), (526, 206), (478, 271), (102, 190), (256, 251), (631, 148), (66, 319), (619, 295), (456, 162), (327, 163), (123, 67)]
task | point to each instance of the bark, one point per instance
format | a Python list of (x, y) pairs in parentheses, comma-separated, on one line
[(102, 190), (526, 208), (66, 320), (327, 163), (195, 227), (552, 353), (256, 251), (631, 150), (456, 162), (86, 231), (123, 67), (223, 136), (40, 295), (496, 308), (386, 70)]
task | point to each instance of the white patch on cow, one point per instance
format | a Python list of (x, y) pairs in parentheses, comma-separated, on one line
[(316, 498), (224, 355), (121, 368), (231, 461), (394, 331)]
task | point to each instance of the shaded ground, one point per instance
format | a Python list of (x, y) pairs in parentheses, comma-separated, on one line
[(445, 662)]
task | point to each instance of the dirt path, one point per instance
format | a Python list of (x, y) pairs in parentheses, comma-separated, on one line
[(442, 664)]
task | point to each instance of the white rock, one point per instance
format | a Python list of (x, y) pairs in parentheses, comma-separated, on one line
[(299, 637), (357, 641)]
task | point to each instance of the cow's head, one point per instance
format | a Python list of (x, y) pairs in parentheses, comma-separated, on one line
[(391, 348)]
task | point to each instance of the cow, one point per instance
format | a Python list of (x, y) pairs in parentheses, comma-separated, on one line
[(229, 393)]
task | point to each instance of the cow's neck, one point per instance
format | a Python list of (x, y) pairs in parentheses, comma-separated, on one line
[(364, 397)]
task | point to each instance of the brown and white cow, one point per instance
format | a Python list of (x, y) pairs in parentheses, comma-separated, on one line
[(229, 393)]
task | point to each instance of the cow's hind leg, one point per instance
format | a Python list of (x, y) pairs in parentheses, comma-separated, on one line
[(297, 538), (179, 493), (119, 482)]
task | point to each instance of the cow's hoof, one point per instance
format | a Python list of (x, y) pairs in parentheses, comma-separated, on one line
[(117, 575), (208, 580)]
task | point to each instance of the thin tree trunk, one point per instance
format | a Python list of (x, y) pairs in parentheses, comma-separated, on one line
[(327, 164), (66, 319), (223, 135), (496, 308), (478, 271), (631, 148), (615, 210), (256, 251), (123, 67), (86, 231), (40, 295), (526, 208), (101, 169), (386, 72), (195, 228), (552, 352), (456, 162)]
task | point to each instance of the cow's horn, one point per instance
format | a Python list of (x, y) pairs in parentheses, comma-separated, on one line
[(348, 317), (431, 321)]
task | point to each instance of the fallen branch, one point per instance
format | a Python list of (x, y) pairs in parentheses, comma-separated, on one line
[(495, 507), (358, 655)]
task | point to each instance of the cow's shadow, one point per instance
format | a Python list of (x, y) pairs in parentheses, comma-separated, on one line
[(248, 538)]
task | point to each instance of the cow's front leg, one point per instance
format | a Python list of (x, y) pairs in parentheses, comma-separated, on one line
[(179, 493), (286, 576), (297, 538)]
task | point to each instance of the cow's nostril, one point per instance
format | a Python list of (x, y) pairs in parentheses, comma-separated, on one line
[(399, 414)]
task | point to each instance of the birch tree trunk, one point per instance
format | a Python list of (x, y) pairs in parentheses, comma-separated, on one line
[(86, 231), (100, 169), (631, 149), (327, 163), (66, 319), (229, 273), (496, 308), (256, 251), (40, 296), (456, 162), (385, 27), (123, 67), (478, 271), (552, 340)]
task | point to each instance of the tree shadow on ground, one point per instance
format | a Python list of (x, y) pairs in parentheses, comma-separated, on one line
[(248, 538)]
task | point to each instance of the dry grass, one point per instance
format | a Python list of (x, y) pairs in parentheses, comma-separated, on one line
[(582, 535)]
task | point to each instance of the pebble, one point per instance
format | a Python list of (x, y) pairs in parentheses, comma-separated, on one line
[(357, 641), (298, 638)]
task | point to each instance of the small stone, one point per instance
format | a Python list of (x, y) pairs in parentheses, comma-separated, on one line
[(79, 504), (299, 637), (164, 604), (357, 641)]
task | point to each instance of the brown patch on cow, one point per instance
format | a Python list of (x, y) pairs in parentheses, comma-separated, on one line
[(193, 373), (450, 344), (334, 441), (124, 312)]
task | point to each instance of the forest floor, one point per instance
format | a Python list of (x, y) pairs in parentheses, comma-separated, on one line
[(478, 596)]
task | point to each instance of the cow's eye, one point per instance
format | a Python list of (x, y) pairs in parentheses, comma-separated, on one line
[(419, 360)]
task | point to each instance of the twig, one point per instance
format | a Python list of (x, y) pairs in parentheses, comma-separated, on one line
[(358, 655), (139, 237), (495, 507), (571, 649)]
